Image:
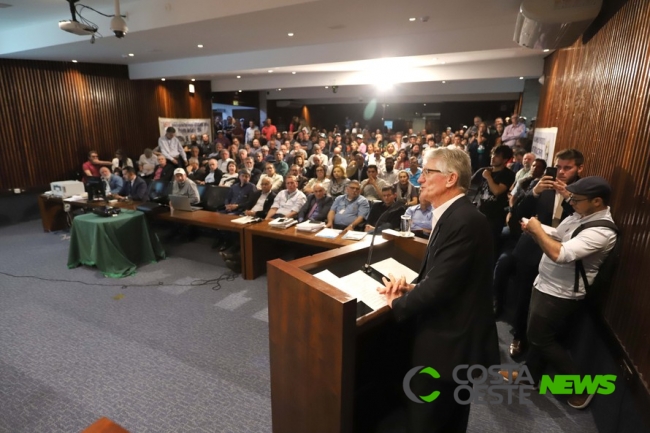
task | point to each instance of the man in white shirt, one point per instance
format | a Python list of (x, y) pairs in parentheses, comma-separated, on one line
[(288, 202), (317, 153), (171, 148), (389, 175), (147, 163), (250, 132), (557, 295), (276, 179), (224, 160)]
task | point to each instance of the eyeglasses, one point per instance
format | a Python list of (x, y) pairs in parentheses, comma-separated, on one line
[(576, 200), (428, 171)]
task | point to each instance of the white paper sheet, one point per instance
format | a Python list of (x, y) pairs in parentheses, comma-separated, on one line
[(392, 266), (364, 288), (551, 231), (355, 236), (328, 233)]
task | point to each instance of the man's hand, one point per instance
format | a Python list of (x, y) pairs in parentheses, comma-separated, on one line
[(533, 226), (394, 288), (487, 174), (545, 183), (231, 207), (329, 225), (369, 228), (347, 229), (175, 161), (560, 187)]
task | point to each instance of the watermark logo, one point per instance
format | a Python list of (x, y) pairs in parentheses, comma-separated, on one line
[(406, 384), (480, 385)]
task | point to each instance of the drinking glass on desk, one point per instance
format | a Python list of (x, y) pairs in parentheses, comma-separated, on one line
[(405, 226)]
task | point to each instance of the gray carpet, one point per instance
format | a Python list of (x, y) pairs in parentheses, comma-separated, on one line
[(164, 358)]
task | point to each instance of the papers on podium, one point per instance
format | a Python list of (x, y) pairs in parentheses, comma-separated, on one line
[(282, 223), (398, 270), (358, 285), (355, 236)]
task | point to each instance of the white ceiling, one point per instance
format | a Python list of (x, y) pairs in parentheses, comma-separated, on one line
[(335, 42)]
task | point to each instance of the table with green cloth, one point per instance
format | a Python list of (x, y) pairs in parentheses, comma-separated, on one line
[(115, 244)]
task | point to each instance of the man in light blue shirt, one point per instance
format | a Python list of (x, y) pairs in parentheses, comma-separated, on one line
[(421, 215), (349, 210), (415, 171), (171, 148)]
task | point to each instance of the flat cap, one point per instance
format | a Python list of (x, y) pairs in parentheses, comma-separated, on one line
[(592, 187)]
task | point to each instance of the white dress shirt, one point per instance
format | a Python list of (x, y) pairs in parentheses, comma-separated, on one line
[(286, 202)]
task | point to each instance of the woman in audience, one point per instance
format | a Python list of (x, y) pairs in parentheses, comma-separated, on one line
[(402, 161), (260, 164), (320, 178), (121, 161), (299, 160), (231, 176), (406, 192), (390, 151), (336, 160), (338, 182)]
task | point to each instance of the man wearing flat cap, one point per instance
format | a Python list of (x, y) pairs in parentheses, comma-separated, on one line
[(571, 260), (185, 186)]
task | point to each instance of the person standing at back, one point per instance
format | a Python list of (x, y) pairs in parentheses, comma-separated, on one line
[(171, 148)]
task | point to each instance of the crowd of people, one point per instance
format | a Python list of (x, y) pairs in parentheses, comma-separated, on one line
[(358, 179)]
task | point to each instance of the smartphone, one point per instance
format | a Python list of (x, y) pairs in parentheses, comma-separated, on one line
[(551, 171)]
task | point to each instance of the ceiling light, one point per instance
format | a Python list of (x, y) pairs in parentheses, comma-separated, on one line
[(162, 79), (294, 72), (74, 61), (131, 54), (239, 91), (200, 45), (424, 105), (270, 71), (238, 76), (387, 105), (289, 34), (521, 78), (546, 50), (279, 90), (411, 19), (193, 79), (327, 87), (443, 82)]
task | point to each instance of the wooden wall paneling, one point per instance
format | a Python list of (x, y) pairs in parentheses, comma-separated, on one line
[(53, 113), (598, 95)]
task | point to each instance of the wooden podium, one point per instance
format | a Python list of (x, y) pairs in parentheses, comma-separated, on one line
[(329, 368)]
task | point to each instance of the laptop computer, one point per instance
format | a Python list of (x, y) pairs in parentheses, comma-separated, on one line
[(182, 202)]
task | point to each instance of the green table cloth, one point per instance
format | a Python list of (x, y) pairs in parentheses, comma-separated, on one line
[(115, 245)]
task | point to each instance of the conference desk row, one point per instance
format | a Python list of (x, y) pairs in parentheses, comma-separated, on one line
[(259, 242)]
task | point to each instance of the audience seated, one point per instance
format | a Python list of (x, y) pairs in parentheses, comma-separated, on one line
[(406, 192), (120, 161), (240, 193), (300, 179), (281, 167), (372, 187), (224, 160), (91, 167), (319, 178), (317, 206), (421, 218), (393, 210), (184, 186), (113, 183), (276, 180), (349, 210), (163, 171), (249, 164), (231, 175), (261, 200), (196, 172), (338, 182), (288, 202), (134, 187), (389, 175), (147, 164), (356, 169)]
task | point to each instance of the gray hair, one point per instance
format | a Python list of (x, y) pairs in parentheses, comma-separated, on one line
[(193, 160), (452, 161)]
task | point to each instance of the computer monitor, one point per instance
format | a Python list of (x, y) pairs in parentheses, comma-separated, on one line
[(95, 188)]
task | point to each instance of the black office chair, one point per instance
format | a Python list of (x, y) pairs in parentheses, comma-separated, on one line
[(215, 197)]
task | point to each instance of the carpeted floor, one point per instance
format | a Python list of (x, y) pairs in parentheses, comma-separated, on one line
[(174, 357)]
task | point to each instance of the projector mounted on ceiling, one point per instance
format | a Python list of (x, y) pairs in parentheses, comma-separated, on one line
[(86, 27), (74, 26)]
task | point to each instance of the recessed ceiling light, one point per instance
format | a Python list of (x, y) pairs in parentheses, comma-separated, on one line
[(74, 61), (279, 90), (238, 76), (193, 79), (131, 54), (387, 105), (424, 105), (327, 87), (270, 71), (411, 19), (521, 78), (294, 72), (546, 50), (162, 79), (443, 82), (200, 45), (289, 34), (239, 91)]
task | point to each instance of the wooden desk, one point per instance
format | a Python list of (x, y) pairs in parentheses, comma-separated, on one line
[(54, 217), (261, 245)]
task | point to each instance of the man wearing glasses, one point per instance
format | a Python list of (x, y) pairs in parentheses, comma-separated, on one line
[(548, 201), (349, 210), (557, 295), (449, 308)]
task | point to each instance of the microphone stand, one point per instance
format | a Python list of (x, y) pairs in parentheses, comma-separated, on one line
[(366, 267)]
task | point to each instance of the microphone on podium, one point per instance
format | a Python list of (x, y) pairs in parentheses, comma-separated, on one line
[(366, 267)]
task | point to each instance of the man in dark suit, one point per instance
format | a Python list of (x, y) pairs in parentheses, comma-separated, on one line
[(548, 201), (134, 187), (393, 219), (449, 307), (317, 205)]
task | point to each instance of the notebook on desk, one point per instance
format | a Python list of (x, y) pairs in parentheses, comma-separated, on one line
[(182, 202)]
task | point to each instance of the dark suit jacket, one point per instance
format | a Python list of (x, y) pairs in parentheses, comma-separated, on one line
[(139, 191), (451, 304), (167, 174), (267, 203), (323, 208)]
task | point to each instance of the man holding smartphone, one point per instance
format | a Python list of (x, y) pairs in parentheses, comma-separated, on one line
[(548, 200)]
